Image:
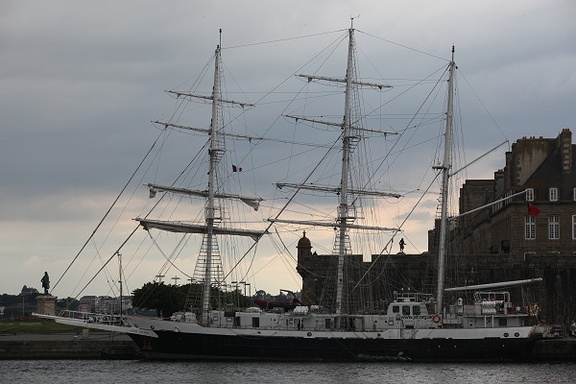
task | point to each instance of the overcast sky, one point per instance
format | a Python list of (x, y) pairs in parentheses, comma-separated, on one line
[(80, 82)]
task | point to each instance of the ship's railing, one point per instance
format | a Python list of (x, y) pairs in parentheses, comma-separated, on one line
[(496, 307), (482, 296), (101, 318), (410, 296)]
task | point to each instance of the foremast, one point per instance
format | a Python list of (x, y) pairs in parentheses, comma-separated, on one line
[(445, 169), (215, 154), (212, 194)]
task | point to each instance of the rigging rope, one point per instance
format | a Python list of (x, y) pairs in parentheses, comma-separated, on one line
[(398, 230), (108, 212)]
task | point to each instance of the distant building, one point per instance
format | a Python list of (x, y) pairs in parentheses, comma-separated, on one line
[(27, 291), (104, 304), (87, 304)]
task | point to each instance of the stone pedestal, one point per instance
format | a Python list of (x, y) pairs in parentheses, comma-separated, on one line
[(45, 305)]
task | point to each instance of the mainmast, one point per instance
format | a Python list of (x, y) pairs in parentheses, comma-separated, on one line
[(343, 208), (350, 137), (445, 167)]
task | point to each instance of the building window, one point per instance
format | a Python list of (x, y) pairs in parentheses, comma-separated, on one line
[(553, 194), (573, 227), (529, 227), (553, 227), (530, 194)]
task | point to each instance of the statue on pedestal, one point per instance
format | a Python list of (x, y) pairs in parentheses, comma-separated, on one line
[(45, 283)]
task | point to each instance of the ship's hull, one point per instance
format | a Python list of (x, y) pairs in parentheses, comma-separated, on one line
[(315, 346)]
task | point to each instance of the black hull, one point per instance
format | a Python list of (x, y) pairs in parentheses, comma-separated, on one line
[(188, 346)]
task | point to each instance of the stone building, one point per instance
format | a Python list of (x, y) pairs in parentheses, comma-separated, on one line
[(541, 221), (516, 236)]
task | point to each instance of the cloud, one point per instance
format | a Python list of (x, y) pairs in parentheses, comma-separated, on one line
[(82, 80)]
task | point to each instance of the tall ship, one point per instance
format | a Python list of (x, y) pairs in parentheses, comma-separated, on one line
[(337, 324)]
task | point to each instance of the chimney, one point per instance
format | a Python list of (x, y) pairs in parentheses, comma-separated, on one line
[(566, 150)]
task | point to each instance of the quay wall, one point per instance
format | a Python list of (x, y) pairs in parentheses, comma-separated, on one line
[(98, 345)]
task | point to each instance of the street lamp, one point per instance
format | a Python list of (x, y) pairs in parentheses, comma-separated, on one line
[(246, 285), (249, 292), (235, 285)]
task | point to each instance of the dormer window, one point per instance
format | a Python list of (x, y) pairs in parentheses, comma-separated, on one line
[(530, 194), (553, 194)]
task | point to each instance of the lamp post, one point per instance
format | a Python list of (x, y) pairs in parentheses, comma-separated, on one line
[(246, 286), (235, 285), (249, 293)]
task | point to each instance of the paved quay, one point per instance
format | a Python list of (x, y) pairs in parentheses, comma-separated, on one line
[(82, 345)]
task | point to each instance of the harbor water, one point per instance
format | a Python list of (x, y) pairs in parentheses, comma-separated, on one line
[(142, 372)]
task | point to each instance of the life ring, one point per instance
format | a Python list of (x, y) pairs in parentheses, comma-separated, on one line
[(436, 318)]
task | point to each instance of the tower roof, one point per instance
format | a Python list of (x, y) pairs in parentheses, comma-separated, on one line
[(304, 242)]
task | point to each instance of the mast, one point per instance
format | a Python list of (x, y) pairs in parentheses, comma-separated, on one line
[(120, 280), (208, 266), (350, 137), (215, 155), (346, 150), (445, 167)]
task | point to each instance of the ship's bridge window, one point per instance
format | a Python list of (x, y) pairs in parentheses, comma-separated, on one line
[(395, 309), (416, 310), (406, 310)]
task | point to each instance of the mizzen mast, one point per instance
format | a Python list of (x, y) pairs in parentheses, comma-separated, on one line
[(445, 168)]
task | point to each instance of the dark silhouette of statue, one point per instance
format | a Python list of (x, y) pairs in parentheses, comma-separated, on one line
[(45, 282), (402, 243)]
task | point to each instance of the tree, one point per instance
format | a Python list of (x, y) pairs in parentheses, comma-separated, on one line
[(69, 303), (165, 299)]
